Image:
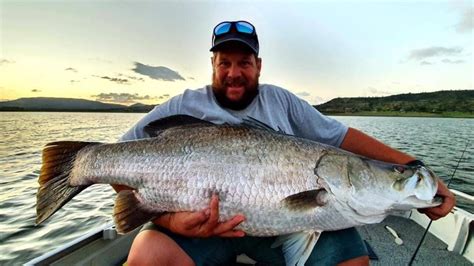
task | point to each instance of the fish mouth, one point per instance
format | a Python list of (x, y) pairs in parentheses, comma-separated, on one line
[(413, 202), (435, 201)]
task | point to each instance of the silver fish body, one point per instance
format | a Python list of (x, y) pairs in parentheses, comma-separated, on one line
[(252, 172), (281, 183)]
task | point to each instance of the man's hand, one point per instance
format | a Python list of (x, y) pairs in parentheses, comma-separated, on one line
[(449, 200), (202, 223)]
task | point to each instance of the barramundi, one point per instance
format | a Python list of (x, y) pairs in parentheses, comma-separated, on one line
[(284, 185)]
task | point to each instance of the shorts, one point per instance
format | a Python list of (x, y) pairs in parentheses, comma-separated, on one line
[(332, 248)]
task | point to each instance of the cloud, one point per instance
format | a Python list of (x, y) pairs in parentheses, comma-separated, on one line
[(5, 62), (318, 100), (310, 98), (449, 61), (376, 92), (116, 80), (466, 24), (131, 77), (122, 97), (425, 63), (303, 94), (164, 96), (434, 51), (71, 69), (158, 73), (74, 81), (35, 90)]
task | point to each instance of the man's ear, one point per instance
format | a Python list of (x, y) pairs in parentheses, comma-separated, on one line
[(259, 65)]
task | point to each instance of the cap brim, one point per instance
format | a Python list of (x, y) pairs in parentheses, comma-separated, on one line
[(232, 39)]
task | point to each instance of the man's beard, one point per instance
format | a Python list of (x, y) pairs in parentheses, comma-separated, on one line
[(220, 90)]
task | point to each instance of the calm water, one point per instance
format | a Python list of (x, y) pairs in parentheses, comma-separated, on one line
[(439, 142)]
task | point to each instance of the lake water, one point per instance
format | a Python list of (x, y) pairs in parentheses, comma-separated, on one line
[(437, 141)]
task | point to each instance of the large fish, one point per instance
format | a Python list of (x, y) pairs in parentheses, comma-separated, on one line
[(284, 185)]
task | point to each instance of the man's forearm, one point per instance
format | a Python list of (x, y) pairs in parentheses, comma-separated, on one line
[(360, 143)]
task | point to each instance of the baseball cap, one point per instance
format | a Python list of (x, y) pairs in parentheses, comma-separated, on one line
[(235, 31)]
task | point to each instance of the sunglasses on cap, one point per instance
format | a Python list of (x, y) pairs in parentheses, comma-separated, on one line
[(239, 26), (240, 31)]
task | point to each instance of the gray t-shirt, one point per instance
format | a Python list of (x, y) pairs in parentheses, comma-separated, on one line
[(274, 106)]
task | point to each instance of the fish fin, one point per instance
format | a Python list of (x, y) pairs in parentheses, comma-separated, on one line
[(297, 247), (128, 213), (257, 124), (54, 190), (154, 128), (306, 200)]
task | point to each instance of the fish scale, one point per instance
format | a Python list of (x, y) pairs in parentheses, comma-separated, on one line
[(220, 178)]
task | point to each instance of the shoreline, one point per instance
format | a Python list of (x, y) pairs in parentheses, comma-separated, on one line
[(375, 114)]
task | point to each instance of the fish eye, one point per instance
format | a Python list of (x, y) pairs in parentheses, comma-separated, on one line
[(399, 169)]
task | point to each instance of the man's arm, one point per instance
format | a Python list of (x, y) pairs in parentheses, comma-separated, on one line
[(359, 143)]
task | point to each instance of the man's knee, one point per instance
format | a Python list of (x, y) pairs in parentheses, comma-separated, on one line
[(359, 261), (154, 248)]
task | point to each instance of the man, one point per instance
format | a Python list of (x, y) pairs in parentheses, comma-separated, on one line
[(188, 238)]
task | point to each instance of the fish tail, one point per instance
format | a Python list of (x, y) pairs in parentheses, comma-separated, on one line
[(54, 190)]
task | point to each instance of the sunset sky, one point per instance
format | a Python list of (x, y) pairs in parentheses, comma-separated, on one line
[(148, 51)]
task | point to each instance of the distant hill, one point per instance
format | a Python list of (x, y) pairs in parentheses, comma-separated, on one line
[(68, 104), (440, 103), (140, 108)]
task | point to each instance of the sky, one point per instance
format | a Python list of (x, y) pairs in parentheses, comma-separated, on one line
[(148, 51)]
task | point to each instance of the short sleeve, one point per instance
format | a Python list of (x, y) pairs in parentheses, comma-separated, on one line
[(307, 122)]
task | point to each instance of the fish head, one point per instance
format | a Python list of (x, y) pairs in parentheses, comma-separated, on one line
[(369, 190), (413, 186)]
